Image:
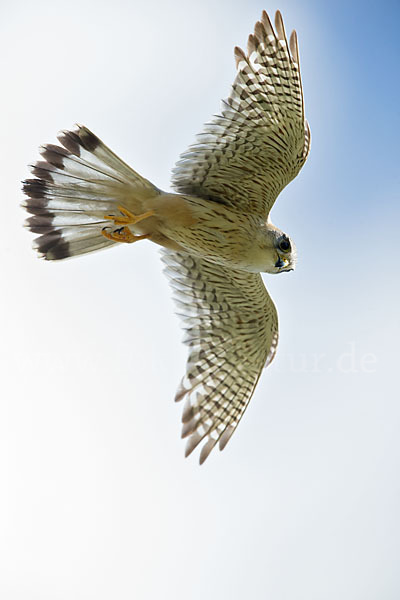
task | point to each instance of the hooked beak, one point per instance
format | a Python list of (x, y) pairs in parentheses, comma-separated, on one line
[(281, 263)]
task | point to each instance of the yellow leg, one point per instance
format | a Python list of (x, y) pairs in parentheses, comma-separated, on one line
[(123, 234), (129, 218)]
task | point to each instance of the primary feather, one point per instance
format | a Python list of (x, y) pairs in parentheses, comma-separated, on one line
[(259, 143), (232, 331)]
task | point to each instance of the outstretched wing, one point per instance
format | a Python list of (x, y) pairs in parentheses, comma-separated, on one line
[(232, 331), (259, 143)]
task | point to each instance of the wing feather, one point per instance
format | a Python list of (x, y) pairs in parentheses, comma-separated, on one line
[(232, 331), (261, 139)]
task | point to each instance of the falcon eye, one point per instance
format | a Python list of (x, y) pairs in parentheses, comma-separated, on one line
[(284, 245)]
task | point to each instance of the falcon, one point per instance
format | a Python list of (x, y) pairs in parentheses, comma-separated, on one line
[(216, 232)]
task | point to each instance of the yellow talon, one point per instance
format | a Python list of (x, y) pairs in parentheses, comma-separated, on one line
[(123, 235), (129, 218)]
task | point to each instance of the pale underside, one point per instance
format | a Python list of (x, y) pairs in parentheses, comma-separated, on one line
[(242, 161), (245, 157)]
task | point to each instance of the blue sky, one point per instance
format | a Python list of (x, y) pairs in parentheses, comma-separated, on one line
[(97, 500)]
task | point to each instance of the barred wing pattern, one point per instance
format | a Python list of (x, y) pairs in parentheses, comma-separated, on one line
[(232, 331), (259, 143)]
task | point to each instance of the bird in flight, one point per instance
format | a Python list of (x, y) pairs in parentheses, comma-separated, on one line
[(216, 232)]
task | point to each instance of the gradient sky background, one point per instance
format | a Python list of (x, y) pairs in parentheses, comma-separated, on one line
[(96, 499)]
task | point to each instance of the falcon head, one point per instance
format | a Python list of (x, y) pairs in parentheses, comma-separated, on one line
[(286, 254), (279, 251)]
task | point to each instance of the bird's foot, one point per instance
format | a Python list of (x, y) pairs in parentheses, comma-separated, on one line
[(123, 234), (128, 217)]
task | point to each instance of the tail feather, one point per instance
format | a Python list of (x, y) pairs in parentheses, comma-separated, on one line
[(87, 147), (61, 219), (75, 186), (64, 242)]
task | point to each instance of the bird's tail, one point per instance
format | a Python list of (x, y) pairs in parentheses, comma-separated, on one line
[(76, 185)]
